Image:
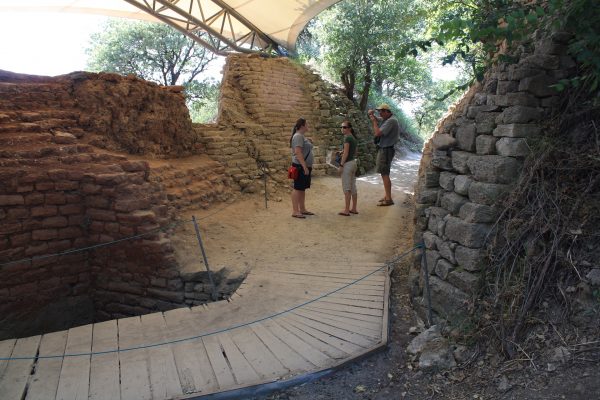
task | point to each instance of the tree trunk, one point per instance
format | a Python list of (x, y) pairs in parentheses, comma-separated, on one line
[(348, 78), (364, 98)]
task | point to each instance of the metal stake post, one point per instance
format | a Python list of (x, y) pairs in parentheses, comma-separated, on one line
[(212, 283)]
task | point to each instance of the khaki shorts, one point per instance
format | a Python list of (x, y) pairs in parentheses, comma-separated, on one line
[(385, 156), (349, 176)]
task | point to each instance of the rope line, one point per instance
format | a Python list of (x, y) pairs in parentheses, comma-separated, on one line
[(71, 251), (386, 264)]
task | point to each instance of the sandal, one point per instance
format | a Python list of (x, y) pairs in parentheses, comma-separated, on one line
[(307, 213), (344, 214), (298, 216), (353, 212), (386, 203)]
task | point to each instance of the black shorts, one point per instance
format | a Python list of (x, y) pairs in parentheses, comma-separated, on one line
[(303, 181)]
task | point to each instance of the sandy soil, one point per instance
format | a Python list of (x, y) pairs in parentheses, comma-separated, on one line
[(248, 234)]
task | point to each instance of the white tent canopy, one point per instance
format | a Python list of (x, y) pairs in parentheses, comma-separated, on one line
[(221, 25)]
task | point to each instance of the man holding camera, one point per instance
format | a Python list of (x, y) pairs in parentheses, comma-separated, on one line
[(387, 130)]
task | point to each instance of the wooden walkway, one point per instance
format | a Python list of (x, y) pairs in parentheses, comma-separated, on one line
[(215, 348)]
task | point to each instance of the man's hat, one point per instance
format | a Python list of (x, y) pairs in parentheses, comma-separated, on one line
[(383, 106)]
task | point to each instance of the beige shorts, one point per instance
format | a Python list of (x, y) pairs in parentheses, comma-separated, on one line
[(349, 176)]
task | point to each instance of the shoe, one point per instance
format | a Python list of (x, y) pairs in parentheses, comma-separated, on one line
[(307, 213), (298, 216), (353, 212), (386, 203), (344, 214)]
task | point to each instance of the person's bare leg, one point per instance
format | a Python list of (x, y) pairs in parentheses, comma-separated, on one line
[(387, 186), (295, 202), (354, 201), (302, 201), (347, 202)]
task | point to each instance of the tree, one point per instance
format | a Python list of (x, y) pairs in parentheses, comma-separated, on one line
[(359, 40), (155, 52)]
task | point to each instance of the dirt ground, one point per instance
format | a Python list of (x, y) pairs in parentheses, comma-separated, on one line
[(245, 235)]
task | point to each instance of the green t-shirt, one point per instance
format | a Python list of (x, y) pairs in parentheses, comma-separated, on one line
[(353, 145)]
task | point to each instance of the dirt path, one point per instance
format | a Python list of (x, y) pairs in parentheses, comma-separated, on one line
[(246, 235)]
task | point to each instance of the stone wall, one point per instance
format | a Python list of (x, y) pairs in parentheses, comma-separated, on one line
[(474, 157), (261, 99)]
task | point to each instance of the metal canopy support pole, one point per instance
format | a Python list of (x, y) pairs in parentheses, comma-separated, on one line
[(212, 283)]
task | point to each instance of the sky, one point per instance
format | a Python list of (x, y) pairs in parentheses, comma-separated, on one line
[(45, 44)]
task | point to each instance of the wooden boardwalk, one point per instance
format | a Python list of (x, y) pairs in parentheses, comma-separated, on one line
[(271, 330)]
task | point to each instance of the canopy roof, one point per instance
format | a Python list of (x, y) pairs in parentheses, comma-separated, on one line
[(221, 25)]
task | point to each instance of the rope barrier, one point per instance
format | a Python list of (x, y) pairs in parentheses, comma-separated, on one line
[(386, 265)]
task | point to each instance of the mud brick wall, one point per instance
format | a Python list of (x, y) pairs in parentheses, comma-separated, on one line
[(261, 99), (473, 158), (61, 190)]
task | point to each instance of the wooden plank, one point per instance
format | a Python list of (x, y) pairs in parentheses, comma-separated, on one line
[(257, 353), (360, 317), (218, 362), (347, 347), (43, 384), (135, 381), (358, 296), (376, 305), (307, 279), (329, 329), (74, 381), (362, 327), (193, 365), (326, 305), (6, 348), (290, 359), (352, 276), (242, 370), (164, 379), (314, 356), (16, 373), (332, 352), (104, 370)]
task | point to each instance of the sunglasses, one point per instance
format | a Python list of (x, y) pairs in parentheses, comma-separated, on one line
[(345, 127)]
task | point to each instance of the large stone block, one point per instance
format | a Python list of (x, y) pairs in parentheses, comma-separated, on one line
[(473, 111), (465, 281), (441, 160), (431, 259), (487, 193), (462, 183), (427, 196), (447, 300), (446, 180), (459, 161), (485, 144), (442, 141), (432, 179), (465, 137), (474, 212), (446, 250), (542, 61), (466, 233), (538, 85), (520, 115), (517, 130), (430, 240), (443, 268), (486, 122), (11, 200), (470, 259), (494, 168), (452, 202), (512, 147)]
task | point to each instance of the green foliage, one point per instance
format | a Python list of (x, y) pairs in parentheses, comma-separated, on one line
[(158, 53), (436, 100), (473, 31), (354, 42)]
